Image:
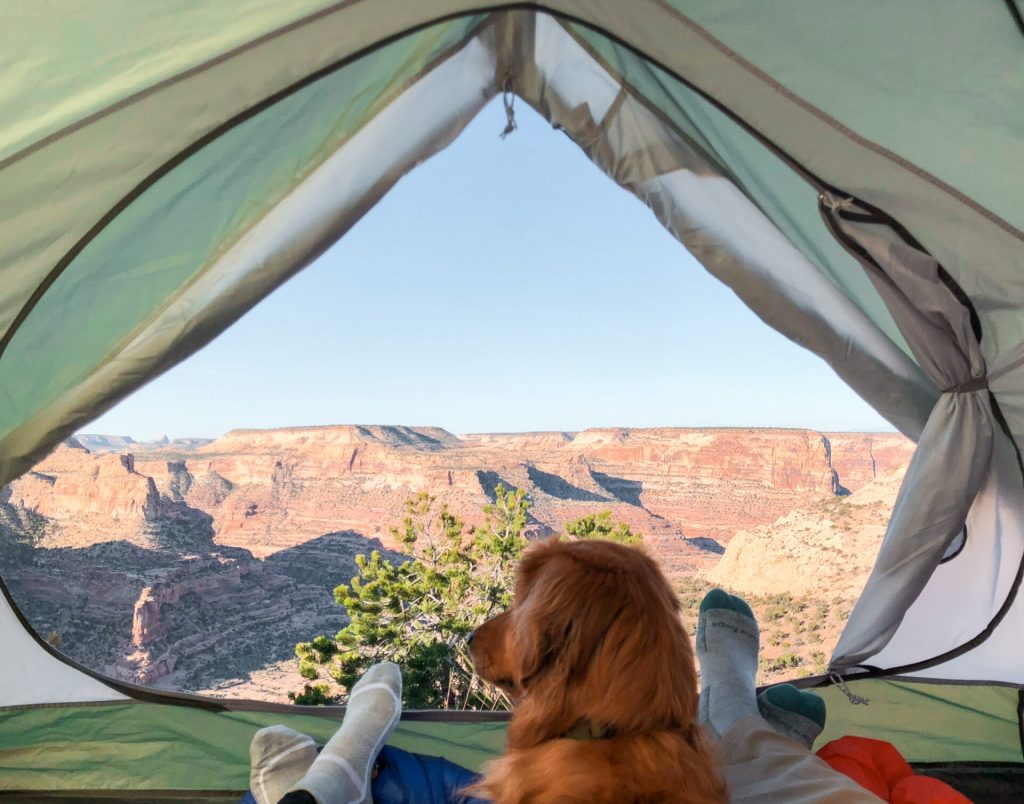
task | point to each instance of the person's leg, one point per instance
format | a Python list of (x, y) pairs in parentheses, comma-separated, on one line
[(759, 764), (727, 647), (340, 774), (279, 757), (283, 759)]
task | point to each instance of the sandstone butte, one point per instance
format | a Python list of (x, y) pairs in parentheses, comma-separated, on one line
[(185, 564)]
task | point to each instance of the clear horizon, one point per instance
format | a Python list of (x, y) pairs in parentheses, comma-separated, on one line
[(503, 286), (94, 433)]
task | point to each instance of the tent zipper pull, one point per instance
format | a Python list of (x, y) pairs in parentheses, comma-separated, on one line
[(832, 203), (844, 688)]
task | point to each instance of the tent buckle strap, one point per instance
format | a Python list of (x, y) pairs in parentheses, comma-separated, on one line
[(508, 98), (971, 385), (833, 203), (856, 700)]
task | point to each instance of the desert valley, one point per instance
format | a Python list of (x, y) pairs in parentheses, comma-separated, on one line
[(197, 565)]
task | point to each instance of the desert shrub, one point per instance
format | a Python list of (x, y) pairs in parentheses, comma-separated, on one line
[(601, 526), (312, 695), (784, 662)]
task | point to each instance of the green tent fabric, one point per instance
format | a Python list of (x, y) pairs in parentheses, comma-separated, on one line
[(156, 749), (162, 749), (851, 171)]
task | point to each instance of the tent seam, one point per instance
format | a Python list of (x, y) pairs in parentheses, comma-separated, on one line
[(69, 704), (109, 794), (243, 706), (1020, 719), (826, 681), (1014, 10)]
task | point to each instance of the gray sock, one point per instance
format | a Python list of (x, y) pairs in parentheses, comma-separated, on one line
[(793, 713), (341, 773), (727, 646), (279, 757)]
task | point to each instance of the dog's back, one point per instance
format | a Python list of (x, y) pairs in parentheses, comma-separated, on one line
[(659, 768)]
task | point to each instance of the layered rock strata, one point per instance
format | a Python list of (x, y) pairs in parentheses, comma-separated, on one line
[(187, 564), (825, 547)]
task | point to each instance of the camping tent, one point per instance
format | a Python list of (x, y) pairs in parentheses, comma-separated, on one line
[(851, 171)]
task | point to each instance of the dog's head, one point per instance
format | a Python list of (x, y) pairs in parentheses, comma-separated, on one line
[(593, 634)]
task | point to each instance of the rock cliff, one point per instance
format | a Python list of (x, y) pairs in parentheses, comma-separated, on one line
[(180, 620), (188, 564), (287, 484), (829, 544)]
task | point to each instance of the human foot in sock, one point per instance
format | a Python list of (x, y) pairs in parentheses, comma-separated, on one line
[(341, 773), (279, 757), (727, 645), (793, 713)]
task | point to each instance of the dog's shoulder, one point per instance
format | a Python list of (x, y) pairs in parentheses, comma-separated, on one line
[(613, 771)]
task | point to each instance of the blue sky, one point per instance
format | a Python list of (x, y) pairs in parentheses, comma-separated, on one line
[(506, 285)]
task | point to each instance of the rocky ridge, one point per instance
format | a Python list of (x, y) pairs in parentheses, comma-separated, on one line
[(188, 564), (828, 544), (108, 443)]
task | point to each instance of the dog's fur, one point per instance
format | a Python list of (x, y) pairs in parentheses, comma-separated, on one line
[(593, 642)]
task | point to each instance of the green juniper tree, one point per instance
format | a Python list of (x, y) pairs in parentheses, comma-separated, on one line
[(419, 612)]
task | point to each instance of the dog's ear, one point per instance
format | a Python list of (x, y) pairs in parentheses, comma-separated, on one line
[(564, 609), (537, 618)]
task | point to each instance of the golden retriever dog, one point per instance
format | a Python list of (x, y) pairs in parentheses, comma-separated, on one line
[(594, 653)]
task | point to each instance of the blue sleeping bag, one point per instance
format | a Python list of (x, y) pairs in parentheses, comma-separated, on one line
[(404, 778)]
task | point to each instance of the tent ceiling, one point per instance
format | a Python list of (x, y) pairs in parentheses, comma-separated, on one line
[(177, 79)]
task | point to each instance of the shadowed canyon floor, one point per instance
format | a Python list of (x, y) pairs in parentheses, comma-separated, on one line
[(198, 565)]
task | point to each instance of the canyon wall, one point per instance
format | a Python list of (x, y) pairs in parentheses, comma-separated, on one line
[(826, 546), (186, 564)]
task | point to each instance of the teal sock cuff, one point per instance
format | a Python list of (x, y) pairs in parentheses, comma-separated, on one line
[(805, 704)]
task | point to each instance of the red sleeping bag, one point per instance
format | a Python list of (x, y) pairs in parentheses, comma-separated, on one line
[(879, 767)]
